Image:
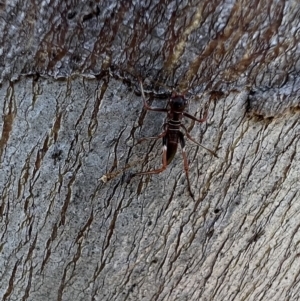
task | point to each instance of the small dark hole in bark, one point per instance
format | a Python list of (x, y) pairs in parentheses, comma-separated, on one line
[(217, 211), (71, 15)]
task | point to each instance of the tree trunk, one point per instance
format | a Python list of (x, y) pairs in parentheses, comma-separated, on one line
[(73, 227)]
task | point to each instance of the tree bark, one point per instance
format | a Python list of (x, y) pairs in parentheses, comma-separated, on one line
[(72, 227)]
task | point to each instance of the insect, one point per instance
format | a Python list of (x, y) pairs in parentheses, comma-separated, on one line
[(171, 135)]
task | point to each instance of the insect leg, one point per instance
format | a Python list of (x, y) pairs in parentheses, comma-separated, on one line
[(204, 118), (146, 104), (155, 171), (161, 135), (192, 139), (185, 161), (194, 118), (155, 137)]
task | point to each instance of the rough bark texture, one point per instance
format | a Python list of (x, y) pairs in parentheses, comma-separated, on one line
[(72, 228)]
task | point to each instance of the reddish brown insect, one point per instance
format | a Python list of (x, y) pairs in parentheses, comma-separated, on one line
[(172, 135)]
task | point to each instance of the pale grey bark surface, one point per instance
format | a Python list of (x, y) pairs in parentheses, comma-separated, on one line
[(72, 228)]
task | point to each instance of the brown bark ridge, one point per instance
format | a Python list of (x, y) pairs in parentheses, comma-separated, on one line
[(72, 228)]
